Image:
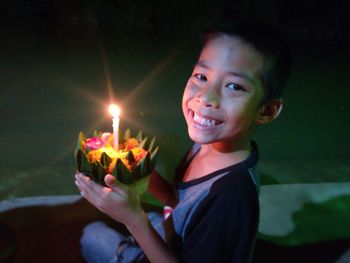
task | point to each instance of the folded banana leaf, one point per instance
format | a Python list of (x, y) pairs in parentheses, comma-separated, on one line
[(131, 165)]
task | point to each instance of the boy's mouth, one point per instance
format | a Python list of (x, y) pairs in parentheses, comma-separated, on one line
[(203, 121)]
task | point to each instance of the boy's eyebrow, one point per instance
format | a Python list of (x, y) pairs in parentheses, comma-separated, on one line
[(234, 73)]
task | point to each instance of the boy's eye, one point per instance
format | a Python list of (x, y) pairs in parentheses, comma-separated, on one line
[(236, 87), (200, 77)]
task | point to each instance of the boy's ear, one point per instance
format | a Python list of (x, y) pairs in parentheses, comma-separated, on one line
[(269, 111)]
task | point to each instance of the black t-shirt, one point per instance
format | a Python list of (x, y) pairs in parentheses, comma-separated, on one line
[(216, 218)]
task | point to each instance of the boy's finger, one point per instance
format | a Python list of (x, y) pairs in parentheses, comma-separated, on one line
[(92, 191), (113, 183), (87, 186), (82, 180)]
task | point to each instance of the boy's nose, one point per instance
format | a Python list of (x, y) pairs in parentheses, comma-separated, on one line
[(209, 98)]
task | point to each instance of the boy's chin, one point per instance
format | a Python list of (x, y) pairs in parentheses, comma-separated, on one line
[(200, 139)]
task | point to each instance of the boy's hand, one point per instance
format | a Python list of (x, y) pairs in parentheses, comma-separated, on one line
[(116, 200)]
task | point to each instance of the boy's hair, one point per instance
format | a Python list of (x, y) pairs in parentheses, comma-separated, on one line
[(269, 43)]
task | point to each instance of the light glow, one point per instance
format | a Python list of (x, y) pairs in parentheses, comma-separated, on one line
[(114, 110)]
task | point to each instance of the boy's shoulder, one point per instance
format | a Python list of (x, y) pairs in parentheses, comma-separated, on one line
[(242, 174), (240, 182), (231, 180), (237, 181)]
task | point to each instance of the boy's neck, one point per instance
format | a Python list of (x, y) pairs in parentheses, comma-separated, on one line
[(213, 157), (228, 147), (229, 153)]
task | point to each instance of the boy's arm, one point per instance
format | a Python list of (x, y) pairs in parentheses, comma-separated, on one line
[(162, 189), (124, 206)]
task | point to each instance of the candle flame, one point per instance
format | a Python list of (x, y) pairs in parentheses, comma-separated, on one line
[(114, 110)]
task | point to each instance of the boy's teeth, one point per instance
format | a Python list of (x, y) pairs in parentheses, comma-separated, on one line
[(202, 121)]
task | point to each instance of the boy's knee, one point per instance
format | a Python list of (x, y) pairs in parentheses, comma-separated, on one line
[(92, 232), (91, 235), (99, 233), (99, 242), (93, 227)]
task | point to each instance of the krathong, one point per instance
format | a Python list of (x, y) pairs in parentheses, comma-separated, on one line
[(131, 163)]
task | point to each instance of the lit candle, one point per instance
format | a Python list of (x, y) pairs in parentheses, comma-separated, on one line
[(115, 111)]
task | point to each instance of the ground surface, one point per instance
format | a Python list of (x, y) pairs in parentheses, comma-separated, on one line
[(46, 233)]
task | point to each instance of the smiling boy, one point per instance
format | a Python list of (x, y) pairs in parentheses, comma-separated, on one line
[(222, 103), (235, 86)]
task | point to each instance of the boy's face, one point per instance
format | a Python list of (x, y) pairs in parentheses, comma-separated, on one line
[(222, 98)]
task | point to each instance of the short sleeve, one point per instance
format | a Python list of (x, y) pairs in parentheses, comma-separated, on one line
[(223, 228)]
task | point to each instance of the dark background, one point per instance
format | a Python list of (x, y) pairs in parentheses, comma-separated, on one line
[(306, 19), (58, 59), (63, 61)]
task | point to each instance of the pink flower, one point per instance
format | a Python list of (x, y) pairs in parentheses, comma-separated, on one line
[(94, 143)]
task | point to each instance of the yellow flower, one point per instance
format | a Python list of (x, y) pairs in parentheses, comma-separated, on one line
[(114, 161), (110, 151), (111, 166), (138, 153), (131, 144), (94, 155)]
